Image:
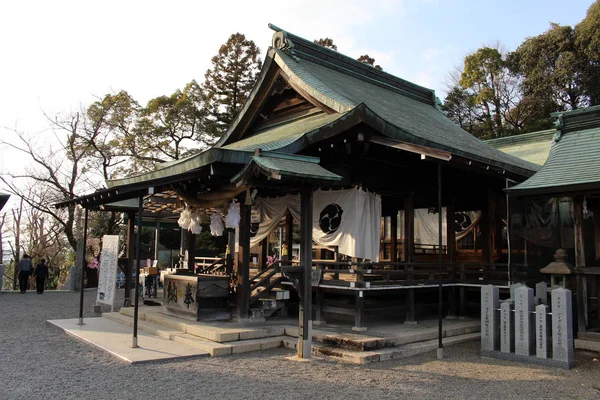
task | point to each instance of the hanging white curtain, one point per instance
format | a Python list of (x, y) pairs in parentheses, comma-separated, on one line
[(271, 211), (426, 227), (348, 219)]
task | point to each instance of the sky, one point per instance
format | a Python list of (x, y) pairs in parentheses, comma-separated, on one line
[(58, 56)]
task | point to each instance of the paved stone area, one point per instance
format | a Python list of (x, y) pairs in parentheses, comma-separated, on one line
[(40, 362)]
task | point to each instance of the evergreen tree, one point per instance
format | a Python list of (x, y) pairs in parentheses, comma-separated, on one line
[(587, 41), (229, 82)]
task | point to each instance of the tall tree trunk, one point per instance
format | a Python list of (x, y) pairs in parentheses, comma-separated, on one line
[(17, 250)]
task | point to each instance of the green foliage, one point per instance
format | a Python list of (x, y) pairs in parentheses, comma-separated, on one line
[(229, 82), (587, 41), (551, 67)]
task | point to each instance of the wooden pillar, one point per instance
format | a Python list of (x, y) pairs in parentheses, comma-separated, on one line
[(230, 251), (305, 313), (243, 271), (580, 265), (451, 257), (597, 233), (130, 256), (156, 239), (289, 235), (394, 237), (409, 228), (262, 259), (359, 312), (320, 297), (409, 246), (488, 219)]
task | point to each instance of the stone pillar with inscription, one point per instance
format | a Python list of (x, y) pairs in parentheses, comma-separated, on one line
[(490, 302), (562, 326), (541, 330), (541, 293), (524, 332), (507, 327)]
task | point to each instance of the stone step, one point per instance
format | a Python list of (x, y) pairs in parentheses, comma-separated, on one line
[(245, 346), (207, 331), (213, 348), (590, 345), (393, 353), (358, 342), (146, 326)]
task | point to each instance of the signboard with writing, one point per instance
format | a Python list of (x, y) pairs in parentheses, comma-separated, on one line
[(108, 269)]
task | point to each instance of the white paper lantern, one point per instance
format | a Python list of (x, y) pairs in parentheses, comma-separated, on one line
[(233, 216), (216, 225)]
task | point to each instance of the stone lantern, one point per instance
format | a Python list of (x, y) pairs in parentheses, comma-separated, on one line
[(558, 270)]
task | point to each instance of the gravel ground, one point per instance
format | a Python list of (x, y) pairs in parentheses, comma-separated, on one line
[(40, 362)]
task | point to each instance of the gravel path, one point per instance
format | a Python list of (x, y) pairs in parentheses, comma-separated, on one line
[(40, 362)]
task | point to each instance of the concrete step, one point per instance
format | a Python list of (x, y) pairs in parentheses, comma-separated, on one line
[(245, 346), (213, 348), (367, 357), (358, 342), (146, 326), (590, 345)]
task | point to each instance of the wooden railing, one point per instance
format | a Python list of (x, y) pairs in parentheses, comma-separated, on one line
[(364, 274)]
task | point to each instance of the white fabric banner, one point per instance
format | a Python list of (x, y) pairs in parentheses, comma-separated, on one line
[(108, 269), (347, 218)]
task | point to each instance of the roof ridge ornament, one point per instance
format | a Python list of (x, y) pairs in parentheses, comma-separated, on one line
[(282, 42), (559, 124)]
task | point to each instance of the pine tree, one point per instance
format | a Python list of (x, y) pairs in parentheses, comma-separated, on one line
[(229, 82), (326, 42), (369, 61)]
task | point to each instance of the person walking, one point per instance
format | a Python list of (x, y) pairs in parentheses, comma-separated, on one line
[(41, 274), (25, 270)]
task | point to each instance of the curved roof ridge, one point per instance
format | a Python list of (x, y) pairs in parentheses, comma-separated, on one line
[(313, 52)]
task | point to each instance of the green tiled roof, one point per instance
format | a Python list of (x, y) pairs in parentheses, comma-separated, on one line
[(283, 134), (573, 164), (287, 165), (533, 147)]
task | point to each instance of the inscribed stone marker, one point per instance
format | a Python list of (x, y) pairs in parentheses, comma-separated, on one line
[(541, 293), (507, 325), (489, 317), (562, 325), (514, 287), (524, 333), (541, 331)]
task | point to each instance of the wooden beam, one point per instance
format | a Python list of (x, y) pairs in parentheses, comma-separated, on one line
[(411, 148)]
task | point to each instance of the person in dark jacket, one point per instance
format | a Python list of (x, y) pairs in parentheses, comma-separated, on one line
[(41, 274), (25, 270)]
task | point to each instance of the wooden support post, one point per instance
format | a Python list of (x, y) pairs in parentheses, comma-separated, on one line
[(262, 260), (156, 239), (243, 271), (409, 228), (305, 312), (463, 302), (289, 236), (451, 257), (359, 312), (320, 297), (130, 256), (410, 307), (394, 237), (582, 309), (597, 233), (230, 254)]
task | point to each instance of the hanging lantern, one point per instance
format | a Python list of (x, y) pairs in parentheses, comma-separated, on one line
[(233, 215), (216, 225)]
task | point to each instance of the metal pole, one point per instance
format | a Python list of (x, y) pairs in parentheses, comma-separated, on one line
[(138, 237), (85, 226), (440, 350)]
